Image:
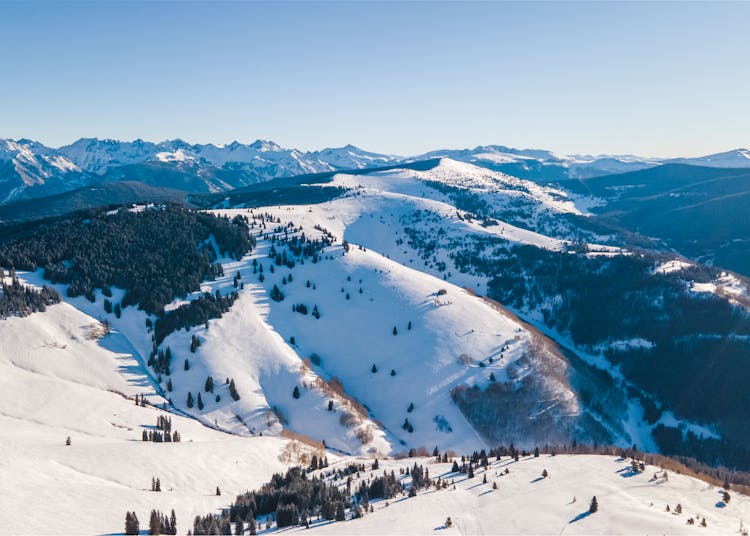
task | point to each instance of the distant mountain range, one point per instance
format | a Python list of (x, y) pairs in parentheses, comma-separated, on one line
[(29, 169)]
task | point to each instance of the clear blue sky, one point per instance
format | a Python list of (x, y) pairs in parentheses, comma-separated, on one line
[(654, 79)]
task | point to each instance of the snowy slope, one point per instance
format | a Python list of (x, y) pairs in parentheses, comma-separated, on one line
[(58, 380), (86, 487), (525, 503), (253, 344), (62, 376), (457, 341), (737, 158), (544, 166), (25, 165)]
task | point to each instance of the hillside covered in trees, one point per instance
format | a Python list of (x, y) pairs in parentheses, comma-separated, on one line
[(21, 300), (155, 254)]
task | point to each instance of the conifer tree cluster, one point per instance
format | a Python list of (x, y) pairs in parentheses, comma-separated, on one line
[(161, 524), (161, 361), (163, 433), (317, 463), (199, 311), (132, 526), (95, 249), (17, 299), (292, 497)]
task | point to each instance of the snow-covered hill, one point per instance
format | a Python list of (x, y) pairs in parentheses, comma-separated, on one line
[(63, 377), (526, 503), (544, 166), (396, 340), (737, 158), (69, 383), (371, 346)]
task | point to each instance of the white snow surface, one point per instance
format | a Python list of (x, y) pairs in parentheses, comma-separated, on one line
[(60, 381), (62, 375)]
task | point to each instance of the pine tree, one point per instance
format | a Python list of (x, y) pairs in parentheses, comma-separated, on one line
[(169, 385), (154, 524), (395, 331), (190, 400), (340, 513), (209, 387), (295, 393), (239, 527), (276, 294), (330, 405), (132, 526), (187, 364), (594, 506), (233, 391), (200, 402), (374, 369), (218, 491)]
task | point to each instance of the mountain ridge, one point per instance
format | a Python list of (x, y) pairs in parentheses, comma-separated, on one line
[(30, 169)]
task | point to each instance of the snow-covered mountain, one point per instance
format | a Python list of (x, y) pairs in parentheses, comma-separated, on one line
[(738, 158), (28, 169), (381, 341), (544, 166)]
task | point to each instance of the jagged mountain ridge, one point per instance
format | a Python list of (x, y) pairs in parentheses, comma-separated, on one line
[(29, 169)]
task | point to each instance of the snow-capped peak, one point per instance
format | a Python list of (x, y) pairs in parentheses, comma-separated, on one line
[(736, 158)]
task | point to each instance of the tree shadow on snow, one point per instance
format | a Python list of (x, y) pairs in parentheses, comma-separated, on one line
[(580, 516), (537, 479)]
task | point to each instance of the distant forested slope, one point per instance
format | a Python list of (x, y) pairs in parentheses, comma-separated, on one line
[(155, 254)]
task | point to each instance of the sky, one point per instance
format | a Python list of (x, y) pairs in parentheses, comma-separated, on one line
[(655, 79)]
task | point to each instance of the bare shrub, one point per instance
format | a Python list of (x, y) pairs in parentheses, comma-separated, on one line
[(364, 434)]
